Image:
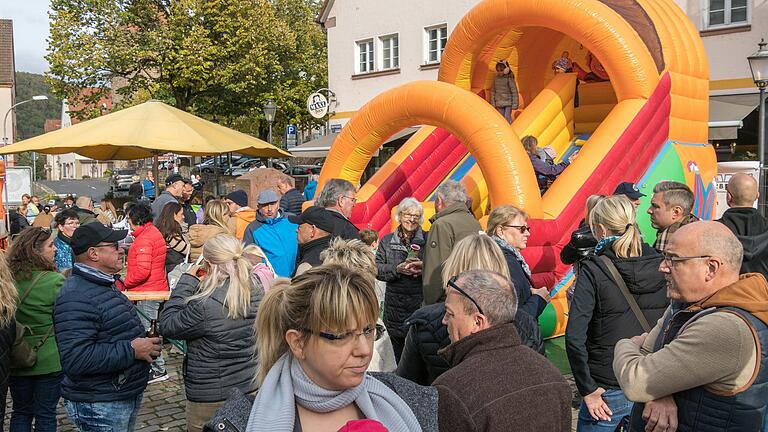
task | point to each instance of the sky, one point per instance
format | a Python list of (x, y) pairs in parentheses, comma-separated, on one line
[(30, 29)]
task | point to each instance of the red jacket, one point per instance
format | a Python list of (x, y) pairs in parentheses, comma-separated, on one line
[(146, 260)]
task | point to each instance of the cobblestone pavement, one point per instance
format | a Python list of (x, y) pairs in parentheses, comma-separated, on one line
[(162, 408)]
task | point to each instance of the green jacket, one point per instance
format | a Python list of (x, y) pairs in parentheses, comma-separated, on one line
[(37, 313), (448, 227)]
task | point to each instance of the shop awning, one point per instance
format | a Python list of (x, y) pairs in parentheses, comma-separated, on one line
[(318, 148), (726, 114)]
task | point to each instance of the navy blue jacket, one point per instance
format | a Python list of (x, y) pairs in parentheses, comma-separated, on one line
[(94, 325)]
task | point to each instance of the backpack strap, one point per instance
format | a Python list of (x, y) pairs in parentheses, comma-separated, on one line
[(31, 285), (625, 291)]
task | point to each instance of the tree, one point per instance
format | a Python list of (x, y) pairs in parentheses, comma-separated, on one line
[(220, 59), (31, 116)]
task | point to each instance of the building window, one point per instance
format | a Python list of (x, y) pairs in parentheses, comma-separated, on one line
[(437, 36), (365, 56), (727, 12), (390, 52)]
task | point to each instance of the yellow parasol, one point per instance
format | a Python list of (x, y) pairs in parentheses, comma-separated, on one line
[(146, 130)]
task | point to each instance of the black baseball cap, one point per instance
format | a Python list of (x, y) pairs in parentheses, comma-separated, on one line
[(317, 216), (173, 178), (89, 235), (629, 189)]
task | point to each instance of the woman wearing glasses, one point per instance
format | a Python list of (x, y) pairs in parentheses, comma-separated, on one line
[(214, 311), (508, 227), (399, 264), (66, 223), (315, 341), (601, 314), (35, 390)]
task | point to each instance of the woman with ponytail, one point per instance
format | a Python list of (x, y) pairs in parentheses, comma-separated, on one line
[(601, 314), (213, 308)]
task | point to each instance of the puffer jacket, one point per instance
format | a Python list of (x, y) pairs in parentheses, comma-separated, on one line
[(220, 354), (146, 260), (600, 315), (403, 295), (291, 202), (277, 238), (199, 234), (94, 325), (504, 91), (420, 361)]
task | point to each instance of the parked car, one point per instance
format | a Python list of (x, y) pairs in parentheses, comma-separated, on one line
[(208, 165), (242, 166), (121, 179)]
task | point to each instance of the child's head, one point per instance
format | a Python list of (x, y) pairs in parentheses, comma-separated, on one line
[(501, 67), (370, 237), (565, 54)]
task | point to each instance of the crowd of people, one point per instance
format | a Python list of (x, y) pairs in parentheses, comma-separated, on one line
[(291, 319)]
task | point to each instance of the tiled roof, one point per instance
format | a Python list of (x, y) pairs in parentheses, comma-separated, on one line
[(7, 67), (52, 125)]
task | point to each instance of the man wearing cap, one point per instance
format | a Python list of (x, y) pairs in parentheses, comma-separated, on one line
[(190, 216), (629, 190), (314, 236), (240, 215), (104, 354), (174, 185), (273, 233)]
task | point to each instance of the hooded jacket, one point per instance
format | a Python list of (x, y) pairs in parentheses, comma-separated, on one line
[(708, 348), (277, 238), (146, 260), (600, 315), (497, 384), (744, 221), (239, 221), (449, 226)]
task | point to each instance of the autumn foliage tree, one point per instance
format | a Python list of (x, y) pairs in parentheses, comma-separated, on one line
[(220, 59)]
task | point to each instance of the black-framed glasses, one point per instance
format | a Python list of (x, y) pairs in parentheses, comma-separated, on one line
[(374, 333), (114, 245), (522, 228), (671, 260), (452, 284)]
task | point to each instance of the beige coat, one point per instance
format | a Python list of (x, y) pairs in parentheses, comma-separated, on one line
[(199, 234)]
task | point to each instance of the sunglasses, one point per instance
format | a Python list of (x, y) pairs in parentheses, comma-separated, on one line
[(452, 284), (522, 228)]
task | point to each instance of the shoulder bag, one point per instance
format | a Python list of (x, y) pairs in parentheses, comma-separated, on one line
[(24, 355)]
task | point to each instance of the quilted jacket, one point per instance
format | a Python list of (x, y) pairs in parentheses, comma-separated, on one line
[(146, 260)]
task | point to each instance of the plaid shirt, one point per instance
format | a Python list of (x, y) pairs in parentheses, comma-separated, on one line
[(662, 237)]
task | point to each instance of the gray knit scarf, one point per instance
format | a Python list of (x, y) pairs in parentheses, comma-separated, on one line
[(506, 246), (286, 385)]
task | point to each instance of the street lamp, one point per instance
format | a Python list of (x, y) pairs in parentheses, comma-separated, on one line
[(758, 64), (269, 113), (5, 118)]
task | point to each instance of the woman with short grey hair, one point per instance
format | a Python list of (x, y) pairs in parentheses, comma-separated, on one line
[(399, 264)]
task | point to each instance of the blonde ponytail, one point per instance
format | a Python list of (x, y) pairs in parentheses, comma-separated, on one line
[(617, 215), (270, 328)]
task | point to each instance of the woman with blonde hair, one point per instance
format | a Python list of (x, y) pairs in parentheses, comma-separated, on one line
[(427, 334), (215, 222), (622, 272), (8, 298), (109, 211), (213, 308), (508, 227), (315, 341)]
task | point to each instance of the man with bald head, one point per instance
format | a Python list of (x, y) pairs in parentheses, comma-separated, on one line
[(699, 368), (741, 217)]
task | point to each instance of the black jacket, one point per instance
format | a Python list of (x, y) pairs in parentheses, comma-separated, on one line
[(581, 245), (404, 294), (7, 337), (310, 252), (744, 221), (17, 223), (291, 202), (600, 316), (220, 350), (190, 216), (136, 191), (427, 335), (531, 304), (755, 254), (342, 227)]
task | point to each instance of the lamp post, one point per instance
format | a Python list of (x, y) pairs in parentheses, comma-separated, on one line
[(5, 129), (758, 64), (269, 114)]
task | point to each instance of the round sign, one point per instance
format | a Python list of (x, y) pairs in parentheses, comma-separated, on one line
[(317, 105)]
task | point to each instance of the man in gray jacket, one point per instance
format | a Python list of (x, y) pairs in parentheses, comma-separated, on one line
[(452, 222), (174, 185)]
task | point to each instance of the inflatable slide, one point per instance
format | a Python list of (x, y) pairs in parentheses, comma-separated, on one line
[(641, 117)]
